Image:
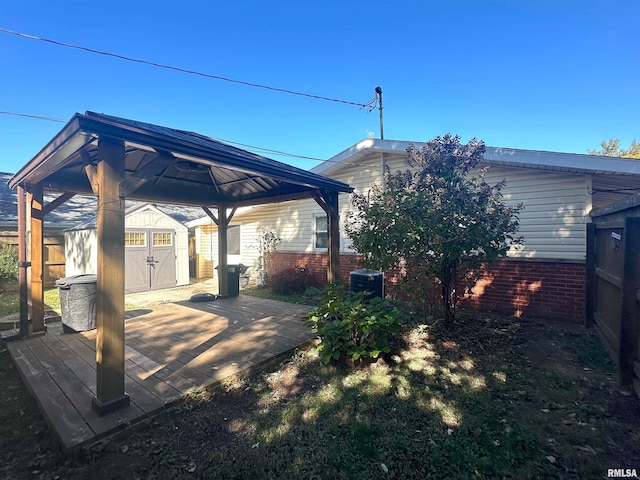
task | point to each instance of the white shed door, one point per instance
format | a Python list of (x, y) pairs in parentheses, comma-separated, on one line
[(150, 260)]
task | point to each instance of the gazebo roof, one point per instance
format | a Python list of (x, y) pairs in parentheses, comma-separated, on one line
[(168, 165)]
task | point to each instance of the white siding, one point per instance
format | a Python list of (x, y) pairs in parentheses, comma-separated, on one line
[(552, 222), (556, 206), (81, 252), (207, 244)]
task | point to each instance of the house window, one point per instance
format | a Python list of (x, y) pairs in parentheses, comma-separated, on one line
[(162, 239), (320, 233), (233, 240), (135, 239)]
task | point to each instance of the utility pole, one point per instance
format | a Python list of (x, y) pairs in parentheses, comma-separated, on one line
[(379, 100)]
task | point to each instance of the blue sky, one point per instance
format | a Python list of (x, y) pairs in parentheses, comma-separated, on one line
[(553, 75)]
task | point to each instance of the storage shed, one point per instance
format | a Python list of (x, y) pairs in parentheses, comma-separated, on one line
[(156, 249)]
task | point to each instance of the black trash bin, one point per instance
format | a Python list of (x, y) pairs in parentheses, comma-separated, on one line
[(364, 280), (78, 302), (233, 278)]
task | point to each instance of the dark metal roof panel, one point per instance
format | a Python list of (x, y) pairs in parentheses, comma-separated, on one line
[(224, 174)]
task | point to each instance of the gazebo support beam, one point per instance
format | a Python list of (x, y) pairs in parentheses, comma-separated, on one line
[(110, 286), (328, 200), (22, 263), (223, 225), (37, 260)]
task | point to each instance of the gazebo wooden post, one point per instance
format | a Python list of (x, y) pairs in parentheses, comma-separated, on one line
[(333, 240), (22, 263), (328, 200), (110, 285), (223, 224), (36, 197)]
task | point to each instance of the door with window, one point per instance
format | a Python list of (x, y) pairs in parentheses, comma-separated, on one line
[(150, 259)]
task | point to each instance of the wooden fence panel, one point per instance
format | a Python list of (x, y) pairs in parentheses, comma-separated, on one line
[(54, 257), (613, 286)]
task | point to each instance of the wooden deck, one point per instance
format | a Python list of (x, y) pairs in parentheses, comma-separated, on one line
[(170, 350)]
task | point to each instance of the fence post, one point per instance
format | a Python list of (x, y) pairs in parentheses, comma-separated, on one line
[(630, 283), (590, 275)]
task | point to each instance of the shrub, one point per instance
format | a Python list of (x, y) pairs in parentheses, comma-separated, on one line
[(312, 292), (8, 264), (350, 326), (291, 280)]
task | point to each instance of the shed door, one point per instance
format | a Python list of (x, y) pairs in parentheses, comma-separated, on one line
[(163, 259), (149, 260)]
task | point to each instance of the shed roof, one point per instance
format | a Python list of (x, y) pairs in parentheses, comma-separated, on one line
[(79, 209), (134, 208), (168, 165)]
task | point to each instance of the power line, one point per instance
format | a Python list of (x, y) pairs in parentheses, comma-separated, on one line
[(252, 147), (268, 150), (183, 70), (37, 117)]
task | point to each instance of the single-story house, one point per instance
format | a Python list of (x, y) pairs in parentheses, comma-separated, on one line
[(156, 249), (544, 277)]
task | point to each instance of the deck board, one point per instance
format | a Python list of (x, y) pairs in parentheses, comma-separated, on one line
[(61, 416), (170, 350)]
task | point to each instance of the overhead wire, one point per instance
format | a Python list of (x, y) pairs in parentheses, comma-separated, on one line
[(252, 147), (184, 70), (37, 117), (370, 105)]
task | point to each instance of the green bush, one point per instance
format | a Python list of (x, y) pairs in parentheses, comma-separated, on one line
[(312, 292), (291, 280), (8, 264), (350, 326)]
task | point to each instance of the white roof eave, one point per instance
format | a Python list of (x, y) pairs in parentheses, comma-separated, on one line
[(508, 157)]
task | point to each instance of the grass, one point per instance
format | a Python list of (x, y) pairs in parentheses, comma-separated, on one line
[(10, 299), (497, 397), (261, 292)]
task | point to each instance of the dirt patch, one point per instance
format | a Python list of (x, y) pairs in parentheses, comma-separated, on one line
[(499, 397), (587, 422)]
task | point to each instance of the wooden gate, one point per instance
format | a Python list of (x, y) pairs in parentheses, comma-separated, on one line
[(613, 285)]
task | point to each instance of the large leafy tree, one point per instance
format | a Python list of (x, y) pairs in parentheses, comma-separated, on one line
[(439, 218), (612, 148)]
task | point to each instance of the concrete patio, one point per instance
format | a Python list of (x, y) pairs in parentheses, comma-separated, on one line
[(170, 350)]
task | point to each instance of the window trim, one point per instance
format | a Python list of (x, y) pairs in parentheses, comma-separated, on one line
[(163, 233), (127, 243), (239, 226), (314, 225)]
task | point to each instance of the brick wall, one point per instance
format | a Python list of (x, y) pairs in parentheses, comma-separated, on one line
[(316, 263), (554, 290)]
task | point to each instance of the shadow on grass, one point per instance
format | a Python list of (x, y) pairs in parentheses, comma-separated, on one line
[(485, 400), (434, 408)]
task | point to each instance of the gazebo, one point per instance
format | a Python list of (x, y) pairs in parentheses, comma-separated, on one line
[(117, 159)]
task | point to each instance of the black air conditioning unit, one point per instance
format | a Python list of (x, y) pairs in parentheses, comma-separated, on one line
[(367, 281)]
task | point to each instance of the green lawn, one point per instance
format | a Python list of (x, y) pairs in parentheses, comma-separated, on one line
[(10, 300), (266, 293)]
